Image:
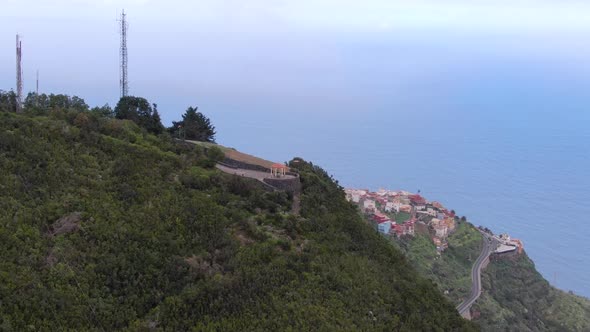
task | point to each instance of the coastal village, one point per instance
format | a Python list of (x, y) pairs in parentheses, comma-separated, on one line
[(401, 213)]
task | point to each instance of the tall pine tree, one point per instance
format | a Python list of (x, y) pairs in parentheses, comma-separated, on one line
[(194, 126)]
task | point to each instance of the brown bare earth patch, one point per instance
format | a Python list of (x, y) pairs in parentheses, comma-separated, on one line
[(243, 238), (51, 259), (422, 228), (237, 155), (66, 224), (203, 265), (301, 246), (246, 158)]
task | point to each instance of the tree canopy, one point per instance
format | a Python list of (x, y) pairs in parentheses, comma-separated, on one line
[(45, 102), (140, 111), (42, 102), (108, 227), (7, 101), (194, 126), (104, 111)]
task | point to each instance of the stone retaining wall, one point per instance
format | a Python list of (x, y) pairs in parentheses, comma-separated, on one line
[(290, 185), (239, 164)]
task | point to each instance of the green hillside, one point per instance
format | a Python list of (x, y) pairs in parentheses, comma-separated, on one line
[(515, 296), (106, 227), (518, 298), (451, 270)]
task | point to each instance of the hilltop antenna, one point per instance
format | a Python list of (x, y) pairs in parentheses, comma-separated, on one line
[(37, 90), (123, 56), (19, 75)]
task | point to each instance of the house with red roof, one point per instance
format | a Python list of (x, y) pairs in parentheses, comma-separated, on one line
[(437, 205), (383, 223), (398, 229), (417, 199), (278, 170)]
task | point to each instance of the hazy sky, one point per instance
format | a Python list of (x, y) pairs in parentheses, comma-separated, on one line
[(281, 56)]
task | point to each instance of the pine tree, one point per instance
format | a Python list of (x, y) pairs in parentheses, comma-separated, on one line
[(195, 126)]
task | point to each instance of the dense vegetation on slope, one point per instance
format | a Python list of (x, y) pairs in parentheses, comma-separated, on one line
[(357, 251), (515, 298), (451, 270), (104, 226), (518, 298), (194, 126)]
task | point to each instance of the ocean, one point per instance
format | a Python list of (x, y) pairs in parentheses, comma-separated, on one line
[(505, 142)]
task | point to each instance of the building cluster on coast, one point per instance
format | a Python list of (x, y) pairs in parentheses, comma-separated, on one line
[(400, 213)]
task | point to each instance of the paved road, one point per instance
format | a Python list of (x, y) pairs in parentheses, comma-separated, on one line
[(489, 245)]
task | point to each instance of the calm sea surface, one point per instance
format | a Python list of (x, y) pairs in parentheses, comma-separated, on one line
[(507, 147)]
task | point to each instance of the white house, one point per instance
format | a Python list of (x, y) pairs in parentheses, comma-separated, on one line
[(431, 212), (355, 197), (392, 206), (441, 231), (369, 204), (420, 207), (382, 192), (410, 229)]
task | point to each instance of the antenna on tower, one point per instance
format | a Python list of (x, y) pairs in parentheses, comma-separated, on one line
[(123, 56), (37, 90), (19, 75)]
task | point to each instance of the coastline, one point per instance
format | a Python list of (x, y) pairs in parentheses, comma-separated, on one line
[(373, 204)]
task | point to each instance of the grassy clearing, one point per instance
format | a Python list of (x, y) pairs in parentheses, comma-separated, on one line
[(237, 155), (208, 145), (402, 217)]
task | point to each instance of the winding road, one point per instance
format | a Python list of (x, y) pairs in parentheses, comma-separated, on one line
[(489, 245)]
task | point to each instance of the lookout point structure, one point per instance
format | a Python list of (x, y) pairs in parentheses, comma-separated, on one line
[(278, 170)]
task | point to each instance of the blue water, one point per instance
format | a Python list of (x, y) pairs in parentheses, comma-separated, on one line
[(504, 141)]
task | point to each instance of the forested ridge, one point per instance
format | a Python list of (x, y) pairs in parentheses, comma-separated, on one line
[(105, 226), (518, 298)]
